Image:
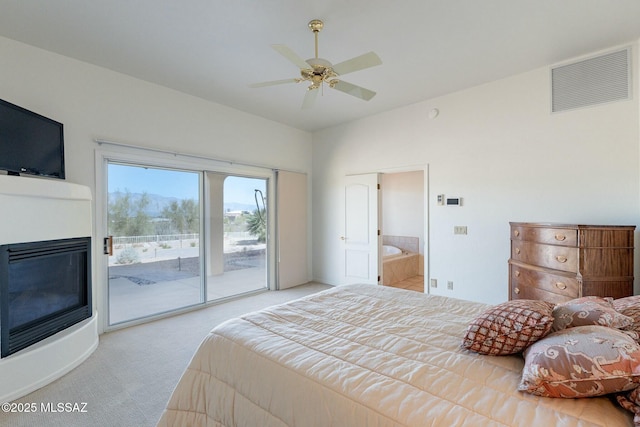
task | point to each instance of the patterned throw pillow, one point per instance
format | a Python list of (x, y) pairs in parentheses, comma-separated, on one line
[(631, 402), (509, 328), (583, 361), (629, 306), (589, 310)]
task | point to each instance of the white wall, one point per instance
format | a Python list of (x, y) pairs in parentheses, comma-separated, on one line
[(94, 102), (499, 147)]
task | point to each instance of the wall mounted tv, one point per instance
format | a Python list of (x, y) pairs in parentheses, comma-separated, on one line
[(30, 144)]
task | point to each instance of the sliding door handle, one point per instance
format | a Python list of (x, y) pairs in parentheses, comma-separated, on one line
[(107, 247)]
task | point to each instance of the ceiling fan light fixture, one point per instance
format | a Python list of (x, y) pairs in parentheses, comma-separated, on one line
[(319, 70)]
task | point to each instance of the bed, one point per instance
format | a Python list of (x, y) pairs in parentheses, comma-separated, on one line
[(363, 355)]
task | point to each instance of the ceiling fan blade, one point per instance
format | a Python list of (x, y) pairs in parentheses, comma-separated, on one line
[(358, 63), (353, 90), (290, 55), (272, 83), (309, 98)]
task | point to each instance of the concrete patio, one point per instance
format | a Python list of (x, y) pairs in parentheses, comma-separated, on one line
[(156, 285)]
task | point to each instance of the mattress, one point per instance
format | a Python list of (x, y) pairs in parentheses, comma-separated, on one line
[(363, 355)]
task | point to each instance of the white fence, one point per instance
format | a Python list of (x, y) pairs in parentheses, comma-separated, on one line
[(158, 238), (132, 240)]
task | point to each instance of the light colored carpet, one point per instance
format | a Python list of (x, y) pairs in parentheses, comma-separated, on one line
[(127, 381)]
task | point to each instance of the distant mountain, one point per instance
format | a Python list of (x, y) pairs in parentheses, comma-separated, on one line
[(157, 203), (235, 206)]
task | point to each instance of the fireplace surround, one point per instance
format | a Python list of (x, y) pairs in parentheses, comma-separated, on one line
[(41, 210)]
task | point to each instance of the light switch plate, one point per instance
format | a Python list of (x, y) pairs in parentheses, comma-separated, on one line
[(459, 229)]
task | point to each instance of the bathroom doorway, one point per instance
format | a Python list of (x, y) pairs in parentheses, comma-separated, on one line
[(404, 229)]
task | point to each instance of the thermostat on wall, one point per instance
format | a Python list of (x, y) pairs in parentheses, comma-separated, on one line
[(454, 202)]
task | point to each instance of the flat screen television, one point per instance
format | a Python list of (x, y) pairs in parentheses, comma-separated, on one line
[(30, 144)]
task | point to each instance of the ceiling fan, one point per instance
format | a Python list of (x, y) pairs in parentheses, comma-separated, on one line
[(318, 71)]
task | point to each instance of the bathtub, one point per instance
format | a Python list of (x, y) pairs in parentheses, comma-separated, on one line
[(390, 252), (398, 265)]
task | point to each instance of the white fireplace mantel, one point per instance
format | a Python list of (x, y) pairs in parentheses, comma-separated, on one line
[(36, 209)]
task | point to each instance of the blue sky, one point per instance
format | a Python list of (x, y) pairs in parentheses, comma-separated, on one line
[(180, 184)]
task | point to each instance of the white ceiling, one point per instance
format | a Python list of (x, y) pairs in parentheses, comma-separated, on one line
[(214, 49)]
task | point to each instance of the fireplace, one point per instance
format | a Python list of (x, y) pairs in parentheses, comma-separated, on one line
[(45, 210), (45, 287)]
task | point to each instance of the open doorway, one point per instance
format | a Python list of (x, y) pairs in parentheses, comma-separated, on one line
[(403, 229)]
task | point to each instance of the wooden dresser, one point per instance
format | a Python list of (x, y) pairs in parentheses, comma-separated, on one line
[(559, 262)]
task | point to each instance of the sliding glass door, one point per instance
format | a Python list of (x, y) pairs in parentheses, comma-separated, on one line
[(153, 216), (182, 238), (237, 255)]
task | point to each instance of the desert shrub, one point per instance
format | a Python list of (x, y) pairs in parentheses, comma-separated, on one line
[(128, 256)]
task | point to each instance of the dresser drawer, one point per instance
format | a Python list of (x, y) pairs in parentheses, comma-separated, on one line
[(551, 236), (550, 256), (530, 279), (538, 294)]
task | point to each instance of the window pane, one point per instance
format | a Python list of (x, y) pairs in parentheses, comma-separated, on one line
[(154, 218), (238, 235)]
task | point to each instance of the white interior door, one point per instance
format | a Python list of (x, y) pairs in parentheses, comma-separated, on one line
[(362, 229)]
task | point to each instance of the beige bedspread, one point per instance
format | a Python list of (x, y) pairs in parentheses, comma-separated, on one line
[(363, 355)]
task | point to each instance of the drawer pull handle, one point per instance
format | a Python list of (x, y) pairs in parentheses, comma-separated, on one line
[(561, 285), (517, 233), (516, 290), (517, 274), (517, 250), (561, 258), (561, 237)]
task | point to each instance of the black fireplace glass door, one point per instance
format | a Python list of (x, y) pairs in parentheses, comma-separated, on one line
[(34, 295)]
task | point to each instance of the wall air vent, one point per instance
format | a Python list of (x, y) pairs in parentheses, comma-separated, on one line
[(605, 78)]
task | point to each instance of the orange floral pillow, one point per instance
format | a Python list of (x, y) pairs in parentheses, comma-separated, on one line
[(631, 402), (629, 306), (589, 310), (509, 328), (584, 361)]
